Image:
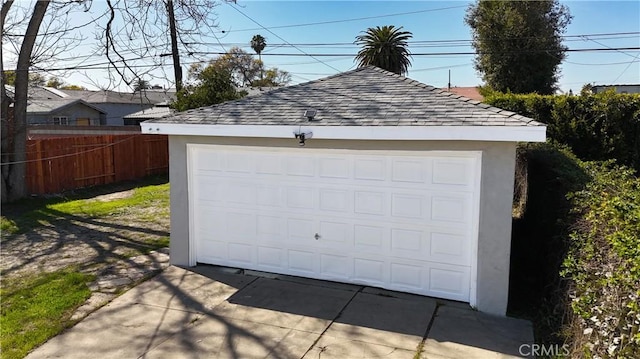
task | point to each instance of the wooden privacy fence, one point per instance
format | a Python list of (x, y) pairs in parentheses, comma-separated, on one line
[(59, 164)]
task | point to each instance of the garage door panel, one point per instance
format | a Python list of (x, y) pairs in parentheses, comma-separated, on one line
[(335, 267), (370, 169), (302, 262), (238, 162), (408, 170), (451, 248), (270, 227), (453, 171), (451, 282), (269, 195), (451, 208), (209, 189), (370, 271), (241, 253), (271, 257), (369, 238), (381, 219), (268, 164), (338, 200), (240, 226), (300, 229), (300, 166), (212, 250), (240, 192), (211, 221), (407, 277), (333, 233), (334, 168), (300, 197), (366, 202), (408, 206), (208, 161)]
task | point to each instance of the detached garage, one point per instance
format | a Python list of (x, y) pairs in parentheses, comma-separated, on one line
[(364, 177)]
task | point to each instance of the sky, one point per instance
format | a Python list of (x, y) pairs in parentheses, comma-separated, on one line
[(297, 27)]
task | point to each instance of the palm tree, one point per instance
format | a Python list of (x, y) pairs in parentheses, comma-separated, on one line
[(258, 44), (385, 47)]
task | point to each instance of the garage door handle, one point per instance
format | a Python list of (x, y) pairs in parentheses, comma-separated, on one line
[(317, 236)]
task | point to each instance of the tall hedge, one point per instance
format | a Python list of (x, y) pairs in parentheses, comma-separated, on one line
[(596, 127), (604, 264)]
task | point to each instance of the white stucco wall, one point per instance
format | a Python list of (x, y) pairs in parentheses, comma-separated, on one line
[(494, 237)]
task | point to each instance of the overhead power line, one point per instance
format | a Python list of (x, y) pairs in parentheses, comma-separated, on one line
[(103, 65), (279, 37), (345, 20)]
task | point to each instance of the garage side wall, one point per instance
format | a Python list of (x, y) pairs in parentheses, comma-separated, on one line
[(494, 238)]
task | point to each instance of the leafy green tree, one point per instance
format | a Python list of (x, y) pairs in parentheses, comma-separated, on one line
[(221, 79), (587, 89), (519, 43), (9, 77), (209, 86), (385, 47), (34, 78), (272, 78), (72, 87), (245, 70), (55, 82)]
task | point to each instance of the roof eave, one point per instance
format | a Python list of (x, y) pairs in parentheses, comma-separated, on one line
[(389, 133)]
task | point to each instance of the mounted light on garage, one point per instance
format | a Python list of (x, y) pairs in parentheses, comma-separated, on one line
[(302, 136)]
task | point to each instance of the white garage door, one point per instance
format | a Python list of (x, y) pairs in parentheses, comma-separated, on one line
[(404, 221)]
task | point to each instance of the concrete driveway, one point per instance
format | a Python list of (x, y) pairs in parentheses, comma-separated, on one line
[(210, 312)]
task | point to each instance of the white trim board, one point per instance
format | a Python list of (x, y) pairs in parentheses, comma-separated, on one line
[(414, 133)]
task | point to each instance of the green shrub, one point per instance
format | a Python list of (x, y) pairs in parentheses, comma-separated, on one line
[(604, 263), (596, 127)]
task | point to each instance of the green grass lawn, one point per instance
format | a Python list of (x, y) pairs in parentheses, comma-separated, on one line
[(39, 306), (45, 211)]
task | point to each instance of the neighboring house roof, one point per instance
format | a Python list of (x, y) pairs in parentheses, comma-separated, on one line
[(468, 92), (151, 113), (156, 96), (34, 92), (105, 96), (101, 96), (618, 85), (46, 106), (367, 96)]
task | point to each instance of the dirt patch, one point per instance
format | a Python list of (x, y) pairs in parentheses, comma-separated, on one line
[(121, 250), (116, 195)]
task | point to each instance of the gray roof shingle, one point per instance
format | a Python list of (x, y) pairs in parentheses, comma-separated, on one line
[(367, 96)]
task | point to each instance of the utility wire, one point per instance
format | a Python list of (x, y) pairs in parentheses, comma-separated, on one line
[(98, 66), (344, 20), (279, 37), (627, 68), (413, 44)]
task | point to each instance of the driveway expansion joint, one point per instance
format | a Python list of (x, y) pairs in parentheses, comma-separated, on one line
[(333, 321)]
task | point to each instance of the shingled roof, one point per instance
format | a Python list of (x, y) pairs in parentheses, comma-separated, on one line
[(367, 96)]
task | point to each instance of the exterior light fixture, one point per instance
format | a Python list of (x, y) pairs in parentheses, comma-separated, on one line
[(302, 136)]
